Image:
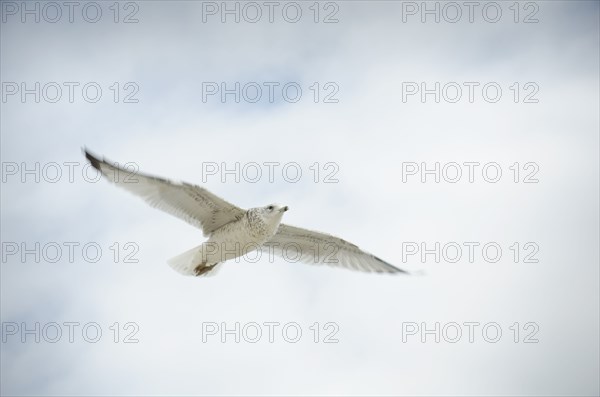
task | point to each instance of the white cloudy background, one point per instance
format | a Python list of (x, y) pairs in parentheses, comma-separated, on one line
[(369, 133)]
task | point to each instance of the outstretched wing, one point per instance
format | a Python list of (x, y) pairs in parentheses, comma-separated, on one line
[(294, 243), (192, 203)]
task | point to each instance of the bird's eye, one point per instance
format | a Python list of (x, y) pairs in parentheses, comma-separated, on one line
[(270, 208)]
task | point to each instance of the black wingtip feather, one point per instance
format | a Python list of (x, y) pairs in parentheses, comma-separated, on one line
[(93, 160), (393, 268)]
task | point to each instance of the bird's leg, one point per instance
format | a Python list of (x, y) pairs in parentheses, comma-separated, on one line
[(201, 269)]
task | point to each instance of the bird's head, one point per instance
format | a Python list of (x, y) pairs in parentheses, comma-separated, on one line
[(272, 213)]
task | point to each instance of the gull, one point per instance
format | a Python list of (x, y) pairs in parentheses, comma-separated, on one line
[(232, 231)]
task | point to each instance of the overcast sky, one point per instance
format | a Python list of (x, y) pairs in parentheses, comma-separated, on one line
[(374, 93)]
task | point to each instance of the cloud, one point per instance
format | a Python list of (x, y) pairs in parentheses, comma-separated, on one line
[(368, 134)]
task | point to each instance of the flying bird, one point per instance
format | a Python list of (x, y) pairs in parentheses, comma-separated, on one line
[(233, 231)]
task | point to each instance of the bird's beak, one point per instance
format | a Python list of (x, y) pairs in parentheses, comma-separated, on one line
[(283, 209)]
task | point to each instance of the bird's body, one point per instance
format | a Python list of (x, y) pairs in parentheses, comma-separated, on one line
[(233, 232), (230, 241)]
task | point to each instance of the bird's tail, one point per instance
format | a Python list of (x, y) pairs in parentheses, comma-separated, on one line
[(191, 263)]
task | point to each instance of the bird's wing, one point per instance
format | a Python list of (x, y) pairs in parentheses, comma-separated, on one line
[(297, 244), (192, 203)]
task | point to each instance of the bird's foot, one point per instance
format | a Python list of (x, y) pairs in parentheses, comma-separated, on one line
[(202, 269)]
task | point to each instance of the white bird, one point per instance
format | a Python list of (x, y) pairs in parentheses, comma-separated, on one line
[(234, 232)]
